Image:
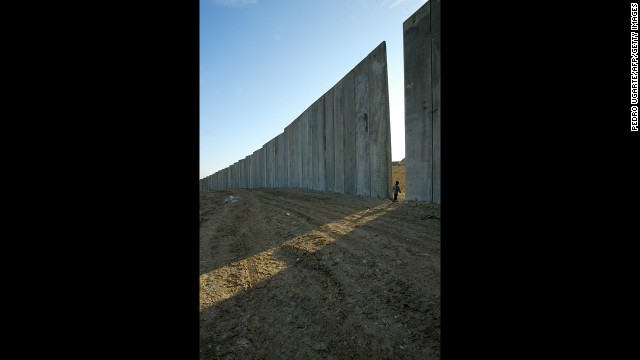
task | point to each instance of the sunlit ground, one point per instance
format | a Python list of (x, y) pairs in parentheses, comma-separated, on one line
[(227, 281)]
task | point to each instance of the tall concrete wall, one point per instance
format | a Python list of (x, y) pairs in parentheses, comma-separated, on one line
[(340, 143), (349, 132), (421, 37), (379, 126)]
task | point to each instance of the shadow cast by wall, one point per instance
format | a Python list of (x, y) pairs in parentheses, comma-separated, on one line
[(371, 292)]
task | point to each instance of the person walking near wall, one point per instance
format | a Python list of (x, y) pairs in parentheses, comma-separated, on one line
[(396, 190)]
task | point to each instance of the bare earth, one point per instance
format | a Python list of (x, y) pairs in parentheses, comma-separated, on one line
[(299, 274)]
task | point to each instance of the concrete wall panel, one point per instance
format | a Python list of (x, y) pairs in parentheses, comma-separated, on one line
[(421, 33), (236, 175), (278, 153), (314, 123), (301, 150), (230, 177), (240, 176), (320, 137), (436, 158), (272, 163), (328, 144), (418, 105), (338, 137), (308, 154), (275, 177), (349, 147), (247, 167), (306, 148), (379, 124), (318, 166), (261, 168), (260, 154), (263, 159), (363, 155), (245, 173), (269, 164), (255, 170), (258, 169), (264, 166), (284, 175), (289, 148), (435, 76)]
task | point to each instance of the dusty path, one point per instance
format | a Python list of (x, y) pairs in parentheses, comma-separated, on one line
[(297, 274)]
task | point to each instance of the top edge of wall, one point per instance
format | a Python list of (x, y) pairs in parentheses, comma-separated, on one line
[(422, 12)]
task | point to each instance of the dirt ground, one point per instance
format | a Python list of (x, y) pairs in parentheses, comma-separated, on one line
[(300, 274)]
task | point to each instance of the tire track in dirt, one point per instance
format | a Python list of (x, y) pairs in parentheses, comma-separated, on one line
[(366, 233), (219, 237), (341, 277), (227, 250)]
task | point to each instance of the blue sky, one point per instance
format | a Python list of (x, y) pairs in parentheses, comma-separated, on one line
[(263, 62)]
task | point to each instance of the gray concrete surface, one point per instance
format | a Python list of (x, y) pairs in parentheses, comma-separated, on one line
[(435, 82), (290, 160), (421, 42), (307, 149), (363, 156), (328, 146), (379, 126), (280, 160), (349, 131), (338, 137)]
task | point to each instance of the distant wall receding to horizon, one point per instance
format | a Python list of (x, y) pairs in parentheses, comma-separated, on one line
[(341, 143)]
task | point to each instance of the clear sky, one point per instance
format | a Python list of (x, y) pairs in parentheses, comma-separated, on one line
[(263, 62)]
